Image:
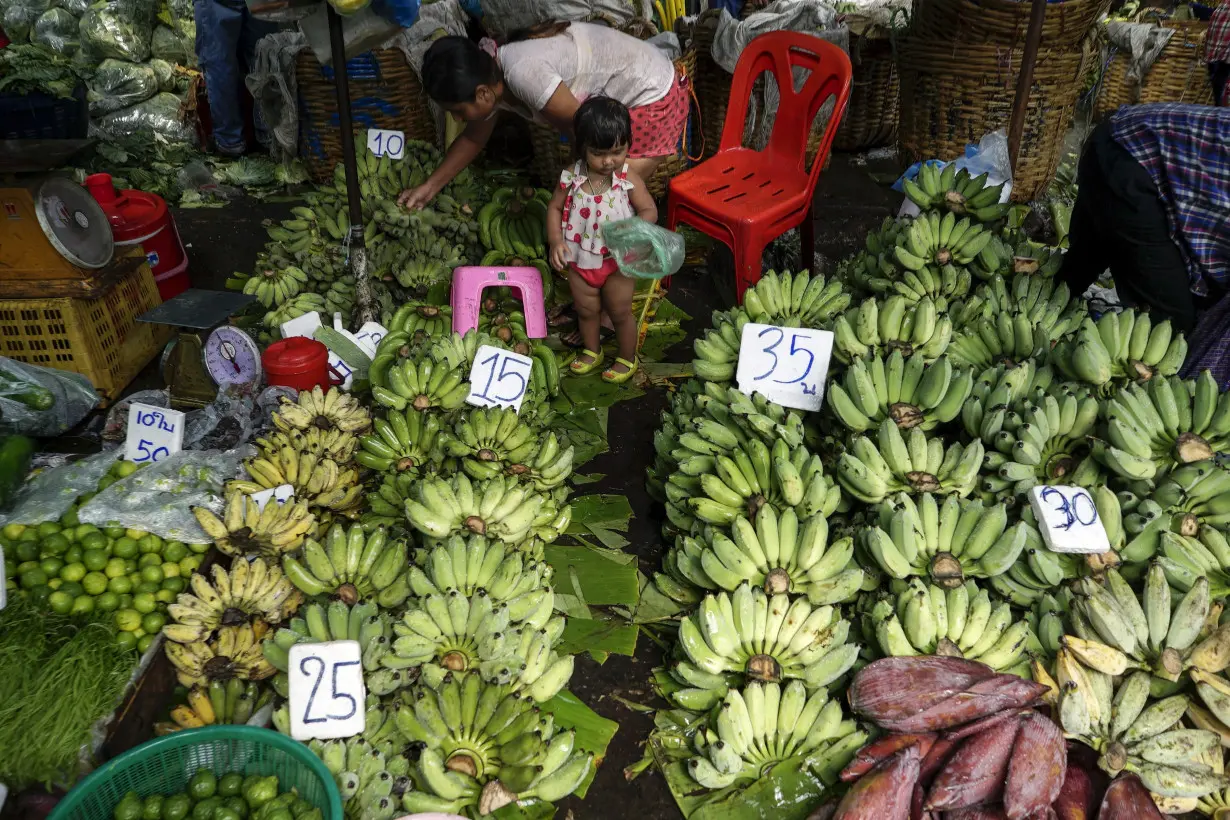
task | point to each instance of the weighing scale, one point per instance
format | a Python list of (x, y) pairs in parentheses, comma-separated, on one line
[(207, 353)]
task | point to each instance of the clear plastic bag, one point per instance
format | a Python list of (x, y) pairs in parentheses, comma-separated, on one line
[(120, 29), (160, 114), (20, 17), (58, 30), (989, 156), (169, 46), (160, 497), (119, 84), (643, 250), (39, 401), (165, 74), (48, 495)]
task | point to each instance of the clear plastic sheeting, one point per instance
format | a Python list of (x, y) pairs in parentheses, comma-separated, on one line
[(119, 84), (161, 114), (227, 422), (48, 495), (159, 498), (167, 45), (59, 30), (503, 17), (19, 17), (643, 250), (120, 29), (39, 401), (272, 84)]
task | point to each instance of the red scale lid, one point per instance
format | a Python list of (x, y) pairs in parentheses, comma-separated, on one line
[(298, 354), (133, 215)]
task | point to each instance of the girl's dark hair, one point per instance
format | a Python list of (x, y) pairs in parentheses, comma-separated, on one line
[(600, 124), (454, 68)]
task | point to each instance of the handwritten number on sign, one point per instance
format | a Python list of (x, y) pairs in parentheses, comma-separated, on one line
[(307, 712), (1071, 510), (157, 454), (770, 349), (508, 369), (811, 359), (798, 344)]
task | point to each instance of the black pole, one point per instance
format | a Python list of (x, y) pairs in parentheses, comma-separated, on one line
[(354, 201)]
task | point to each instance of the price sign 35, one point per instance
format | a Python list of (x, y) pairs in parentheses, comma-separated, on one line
[(788, 365), (326, 690)]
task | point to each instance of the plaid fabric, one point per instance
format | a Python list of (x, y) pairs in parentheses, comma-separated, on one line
[(1217, 40), (1186, 150)]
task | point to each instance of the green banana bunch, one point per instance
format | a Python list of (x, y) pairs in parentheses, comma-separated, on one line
[(501, 508), (402, 441), (749, 635), (767, 723), (1037, 570), (1043, 301), (371, 776), (939, 241), (293, 308), (470, 564), (1003, 385), (1153, 428), (335, 621), (272, 285), (514, 222), (1037, 440), (387, 505), (494, 441), (947, 541), (1009, 337), (485, 746), (509, 328), (1049, 621), (904, 389), (957, 191), (717, 489), (419, 383), (778, 553), (920, 328), (1123, 346), (1195, 496), (908, 462), (351, 565), (1035, 259), (961, 622), (422, 317)]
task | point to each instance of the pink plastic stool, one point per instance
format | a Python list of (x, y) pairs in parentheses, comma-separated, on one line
[(468, 284)]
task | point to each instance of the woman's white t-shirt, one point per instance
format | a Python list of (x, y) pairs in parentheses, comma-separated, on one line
[(590, 60)]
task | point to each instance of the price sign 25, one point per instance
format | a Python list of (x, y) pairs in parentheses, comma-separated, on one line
[(326, 690), (786, 364)]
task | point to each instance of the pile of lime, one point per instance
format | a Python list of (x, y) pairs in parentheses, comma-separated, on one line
[(76, 568), (210, 797)]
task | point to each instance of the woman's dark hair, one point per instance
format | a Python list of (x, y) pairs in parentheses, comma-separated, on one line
[(454, 68), (600, 124)]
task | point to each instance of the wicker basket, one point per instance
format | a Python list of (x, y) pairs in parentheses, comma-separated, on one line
[(1179, 74), (1004, 22), (952, 95), (384, 92), (875, 94)]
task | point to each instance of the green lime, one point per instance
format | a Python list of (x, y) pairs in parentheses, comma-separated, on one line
[(174, 551), (127, 620), (143, 643), (123, 469), (94, 541), (124, 547), (47, 528), (26, 566), (94, 560), (69, 519), (51, 566), (95, 583), (39, 595), (83, 605), (146, 587), (73, 555), (199, 549), (130, 566), (129, 808), (135, 535), (125, 640), (203, 785), (113, 532), (30, 535), (105, 482), (154, 622), (150, 560), (237, 805), (175, 585), (229, 785), (25, 551), (149, 544), (115, 568), (190, 565), (73, 572), (125, 600), (107, 602), (144, 603), (169, 570), (72, 588), (152, 808), (61, 603), (119, 585), (54, 544), (13, 531), (33, 578), (176, 807), (165, 596), (85, 498), (53, 583), (152, 574)]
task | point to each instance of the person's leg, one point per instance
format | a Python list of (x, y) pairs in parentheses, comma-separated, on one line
[(588, 302), (617, 300), (219, 26)]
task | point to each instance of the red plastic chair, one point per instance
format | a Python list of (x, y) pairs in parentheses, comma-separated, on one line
[(747, 198)]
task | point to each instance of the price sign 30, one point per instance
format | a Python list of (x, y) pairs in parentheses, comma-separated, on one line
[(1069, 520), (326, 690), (788, 365)]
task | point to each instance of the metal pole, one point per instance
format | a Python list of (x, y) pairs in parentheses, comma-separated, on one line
[(354, 201), (1024, 80)]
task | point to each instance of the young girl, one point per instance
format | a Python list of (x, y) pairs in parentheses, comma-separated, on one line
[(599, 189)]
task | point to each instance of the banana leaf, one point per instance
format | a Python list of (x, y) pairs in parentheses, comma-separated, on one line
[(533, 809), (594, 732), (602, 581), (600, 638)]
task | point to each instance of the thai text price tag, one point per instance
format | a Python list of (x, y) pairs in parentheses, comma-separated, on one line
[(787, 365), (1069, 520), (326, 690), (281, 494), (499, 378), (382, 143), (154, 433), (369, 336)]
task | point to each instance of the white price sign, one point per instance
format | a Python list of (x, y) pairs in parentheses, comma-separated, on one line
[(326, 690), (787, 365), (154, 433), (499, 378), (369, 336), (1069, 520), (304, 325), (382, 143), (4, 790), (281, 494)]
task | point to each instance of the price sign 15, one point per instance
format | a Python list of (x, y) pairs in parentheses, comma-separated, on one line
[(326, 690), (787, 365), (153, 433), (281, 494), (382, 143), (1069, 519), (499, 378)]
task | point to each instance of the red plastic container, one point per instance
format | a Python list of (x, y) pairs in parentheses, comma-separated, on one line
[(138, 218), (299, 362)]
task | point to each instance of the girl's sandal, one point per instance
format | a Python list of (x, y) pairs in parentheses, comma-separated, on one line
[(611, 376), (584, 368)]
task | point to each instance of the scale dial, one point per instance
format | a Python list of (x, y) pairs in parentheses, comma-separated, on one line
[(232, 357)]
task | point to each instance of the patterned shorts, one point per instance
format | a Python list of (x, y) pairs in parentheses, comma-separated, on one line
[(657, 127)]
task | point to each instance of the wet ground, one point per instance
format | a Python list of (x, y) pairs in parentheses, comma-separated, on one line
[(852, 198)]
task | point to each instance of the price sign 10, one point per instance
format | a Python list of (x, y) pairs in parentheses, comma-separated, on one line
[(382, 143), (499, 378), (153, 433), (1069, 519), (326, 690), (787, 365)]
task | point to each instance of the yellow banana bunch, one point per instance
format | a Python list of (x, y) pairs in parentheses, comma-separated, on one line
[(325, 410), (235, 652), (246, 530), (246, 591)]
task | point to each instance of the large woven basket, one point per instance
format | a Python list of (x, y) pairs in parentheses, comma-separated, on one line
[(1004, 22), (1180, 73), (384, 93), (875, 94), (953, 95)]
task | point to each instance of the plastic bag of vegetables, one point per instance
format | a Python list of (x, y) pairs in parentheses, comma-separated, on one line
[(118, 84), (20, 16), (172, 47), (161, 114), (58, 29), (120, 29), (38, 401)]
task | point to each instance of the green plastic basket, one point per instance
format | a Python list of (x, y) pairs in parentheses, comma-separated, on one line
[(164, 766)]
